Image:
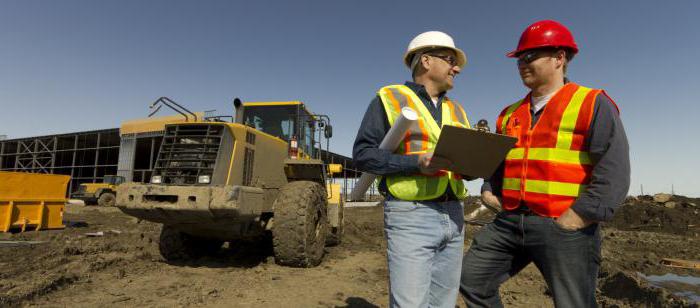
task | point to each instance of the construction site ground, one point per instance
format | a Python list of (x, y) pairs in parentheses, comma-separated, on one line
[(123, 267)]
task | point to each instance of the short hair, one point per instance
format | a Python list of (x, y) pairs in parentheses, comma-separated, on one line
[(568, 56), (414, 62)]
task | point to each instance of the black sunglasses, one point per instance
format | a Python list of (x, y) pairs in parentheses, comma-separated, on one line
[(447, 58), (528, 57)]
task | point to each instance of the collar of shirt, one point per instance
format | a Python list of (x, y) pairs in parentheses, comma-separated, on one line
[(419, 89), (537, 103), (435, 109)]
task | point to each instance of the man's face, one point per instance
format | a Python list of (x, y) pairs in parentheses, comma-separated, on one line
[(442, 68), (539, 66)]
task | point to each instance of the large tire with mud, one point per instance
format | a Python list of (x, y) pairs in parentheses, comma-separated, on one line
[(300, 224), (178, 246), (107, 199), (335, 234)]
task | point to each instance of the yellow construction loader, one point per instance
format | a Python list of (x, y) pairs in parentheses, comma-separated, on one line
[(259, 173), (103, 194)]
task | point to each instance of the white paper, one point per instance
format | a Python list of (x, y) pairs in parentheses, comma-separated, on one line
[(391, 142)]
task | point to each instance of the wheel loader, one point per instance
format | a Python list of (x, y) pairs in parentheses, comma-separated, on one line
[(102, 194), (258, 174)]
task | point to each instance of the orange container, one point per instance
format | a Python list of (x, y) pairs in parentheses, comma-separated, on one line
[(32, 201)]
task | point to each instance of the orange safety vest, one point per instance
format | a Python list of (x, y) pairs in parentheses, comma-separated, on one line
[(420, 138), (549, 166)]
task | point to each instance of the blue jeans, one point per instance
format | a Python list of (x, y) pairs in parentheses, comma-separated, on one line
[(425, 242), (568, 260)]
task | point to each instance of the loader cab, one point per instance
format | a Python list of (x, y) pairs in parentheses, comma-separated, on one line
[(285, 120), (113, 179)]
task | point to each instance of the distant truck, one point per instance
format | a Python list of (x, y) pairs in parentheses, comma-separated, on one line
[(103, 194)]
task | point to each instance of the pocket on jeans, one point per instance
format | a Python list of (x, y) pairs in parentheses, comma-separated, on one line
[(400, 206), (561, 229)]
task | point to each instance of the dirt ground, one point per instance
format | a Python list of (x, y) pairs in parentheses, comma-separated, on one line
[(123, 267)]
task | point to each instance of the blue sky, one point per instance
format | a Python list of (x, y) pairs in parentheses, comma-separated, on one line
[(79, 65)]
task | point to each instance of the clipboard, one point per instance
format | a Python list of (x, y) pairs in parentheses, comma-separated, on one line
[(473, 153)]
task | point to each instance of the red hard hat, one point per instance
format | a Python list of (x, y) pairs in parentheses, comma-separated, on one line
[(545, 33)]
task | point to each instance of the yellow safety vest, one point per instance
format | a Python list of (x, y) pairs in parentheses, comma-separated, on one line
[(421, 138)]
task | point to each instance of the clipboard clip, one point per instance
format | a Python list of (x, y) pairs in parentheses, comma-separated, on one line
[(482, 126)]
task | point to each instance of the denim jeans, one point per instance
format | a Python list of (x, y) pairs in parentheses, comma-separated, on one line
[(425, 245), (568, 260)]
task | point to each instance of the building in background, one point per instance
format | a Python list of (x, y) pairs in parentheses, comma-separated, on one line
[(130, 151)]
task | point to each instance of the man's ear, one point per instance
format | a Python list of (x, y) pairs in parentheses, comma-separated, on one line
[(425, 61), (561, 58)]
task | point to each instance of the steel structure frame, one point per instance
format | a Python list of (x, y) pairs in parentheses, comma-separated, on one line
[(79, 155), (88, 156)]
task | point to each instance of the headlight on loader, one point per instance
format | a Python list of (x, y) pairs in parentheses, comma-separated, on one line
[(156, 179), (204, 179)]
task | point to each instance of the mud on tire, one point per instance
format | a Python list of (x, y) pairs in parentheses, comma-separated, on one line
[(107, 199), (178, 246), (300, 224)]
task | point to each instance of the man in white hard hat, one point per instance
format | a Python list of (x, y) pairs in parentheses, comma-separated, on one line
[(423, 214)]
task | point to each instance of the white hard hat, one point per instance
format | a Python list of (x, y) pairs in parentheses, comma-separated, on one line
[(431, 40)]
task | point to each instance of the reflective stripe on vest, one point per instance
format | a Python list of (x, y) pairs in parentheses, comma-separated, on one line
[(548, 168), (421, 138)]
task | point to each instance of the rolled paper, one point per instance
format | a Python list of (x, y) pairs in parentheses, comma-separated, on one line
[(390, 142)]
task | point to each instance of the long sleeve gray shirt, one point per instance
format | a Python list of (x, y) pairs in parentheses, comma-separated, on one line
[(609, 151)]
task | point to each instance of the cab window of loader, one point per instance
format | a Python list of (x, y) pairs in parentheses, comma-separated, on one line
[(308, 140), (287, 127), (283, 121), (114, 180), (278, 121)]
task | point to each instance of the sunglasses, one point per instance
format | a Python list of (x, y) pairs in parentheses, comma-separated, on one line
[(447, 58), (528, 57)]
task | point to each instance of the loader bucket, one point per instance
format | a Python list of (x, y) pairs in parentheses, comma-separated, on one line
[(31, 201)]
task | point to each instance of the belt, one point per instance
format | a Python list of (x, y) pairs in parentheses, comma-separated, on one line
[(443, 198), (522, 209)]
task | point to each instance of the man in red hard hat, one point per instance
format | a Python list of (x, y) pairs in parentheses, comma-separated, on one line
[(568, 171)]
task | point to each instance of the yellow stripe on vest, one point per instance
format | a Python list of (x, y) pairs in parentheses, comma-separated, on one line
[(550, 154), (511, 184), (464, 114), (392, 110), (509, 112), (433, 129), (545, 187), (568, 120)]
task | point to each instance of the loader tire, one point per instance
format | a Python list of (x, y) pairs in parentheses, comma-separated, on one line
[(300, 224), (107, 199), (178, 246), (335, 234)]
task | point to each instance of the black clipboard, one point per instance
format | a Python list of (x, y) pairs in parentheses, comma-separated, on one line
[(473, 153)]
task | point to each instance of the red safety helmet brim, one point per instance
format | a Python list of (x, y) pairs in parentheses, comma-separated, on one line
[(545, 33)]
